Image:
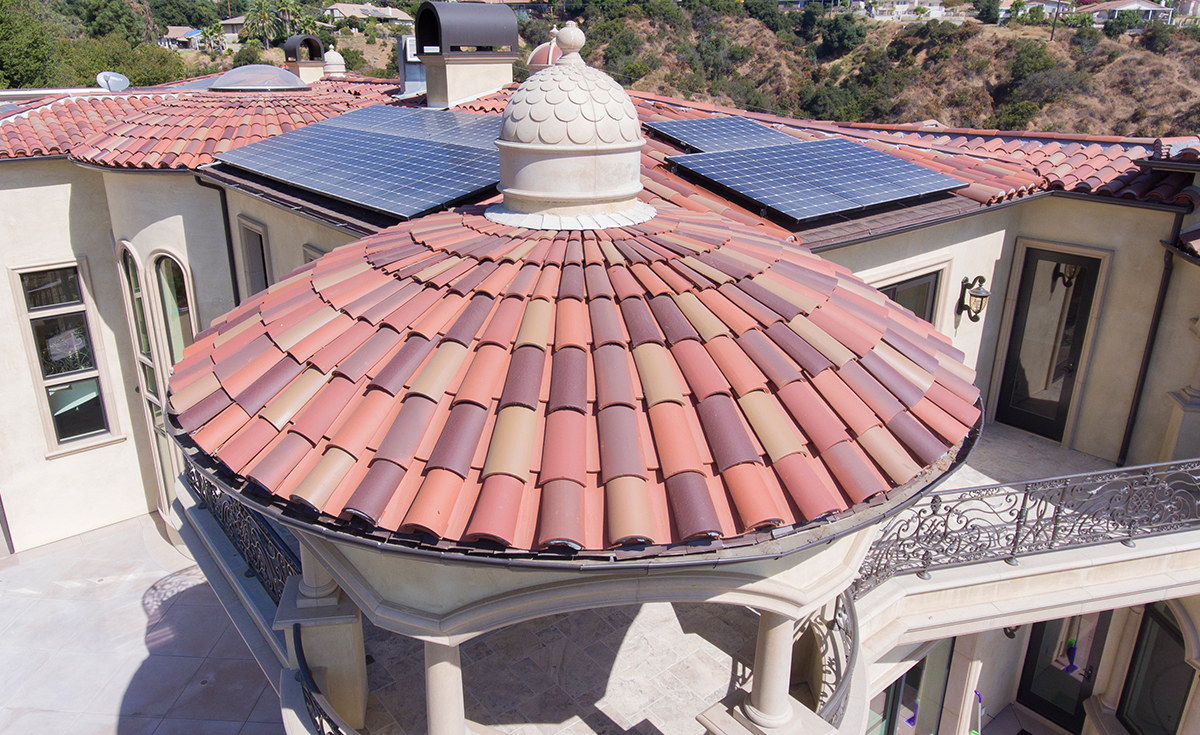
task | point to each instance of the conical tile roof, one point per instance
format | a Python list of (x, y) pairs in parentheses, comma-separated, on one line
[(458, 383)]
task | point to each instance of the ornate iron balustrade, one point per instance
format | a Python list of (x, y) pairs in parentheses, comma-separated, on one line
[(322, 715), (841, 654), (1006, 521), (269, 558)]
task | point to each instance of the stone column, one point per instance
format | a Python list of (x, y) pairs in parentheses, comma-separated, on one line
[(1114, 680), (332, 634), (1182, 440), (769, 704), (444, 690)]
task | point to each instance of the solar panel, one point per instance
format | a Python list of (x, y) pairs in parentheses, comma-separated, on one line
[(396, 160), (443, 126), (808, 180), (721, 133)]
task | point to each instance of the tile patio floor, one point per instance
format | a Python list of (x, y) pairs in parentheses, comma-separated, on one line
[(115, 631), (645, 669)]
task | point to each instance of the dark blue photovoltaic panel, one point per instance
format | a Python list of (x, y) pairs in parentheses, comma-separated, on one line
[(721, 133), (807, 180), (443, 126), (397, 160)]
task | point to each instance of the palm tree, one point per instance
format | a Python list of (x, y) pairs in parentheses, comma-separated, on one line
[(287, 11), (307, 25), (211, 38), (261, 20)]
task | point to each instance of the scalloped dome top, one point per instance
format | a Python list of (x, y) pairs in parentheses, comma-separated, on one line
[(571, 104)]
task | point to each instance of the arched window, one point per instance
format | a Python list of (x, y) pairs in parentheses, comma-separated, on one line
[(176, 306)]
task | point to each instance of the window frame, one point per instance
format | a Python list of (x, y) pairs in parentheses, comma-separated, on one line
[(1165, 626), (310, 252), (155, 260), (245, 223), (88, 308), (934, 278)]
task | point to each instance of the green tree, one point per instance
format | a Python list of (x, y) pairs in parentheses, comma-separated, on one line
[(26, 46), (288, 12), (248, 54), (354, 59), (194, 13), (307, 24), (106, 17), (211, 38), (1157, 37), (1031, 58), (987, 11), (261, 21), (1015, 10), (840, 34), (145, 65)]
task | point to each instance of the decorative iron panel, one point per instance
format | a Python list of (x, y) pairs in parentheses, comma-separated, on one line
[(1007, 521), (269, 558), (840, 644)]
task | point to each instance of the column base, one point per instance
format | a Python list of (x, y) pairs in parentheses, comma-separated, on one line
[(728, 718)]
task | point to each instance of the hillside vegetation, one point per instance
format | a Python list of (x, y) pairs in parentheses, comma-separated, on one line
[(838, 67)]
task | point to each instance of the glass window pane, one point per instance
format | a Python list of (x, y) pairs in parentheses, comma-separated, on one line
[(256, 259), (51, 288), (63, 344), (173, 287), (150, 379), (77, 409), (1159, 679), (138, 306), (916, 294)]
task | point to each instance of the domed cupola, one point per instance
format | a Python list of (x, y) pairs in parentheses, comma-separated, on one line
[(570, 149)]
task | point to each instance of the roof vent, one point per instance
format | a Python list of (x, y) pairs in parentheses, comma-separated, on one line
[(258, 78), (570, 149), (334, 63), (544, 55), (468, 50)]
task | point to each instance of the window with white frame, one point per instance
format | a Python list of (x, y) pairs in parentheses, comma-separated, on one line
[(255, 254), (54, 305)]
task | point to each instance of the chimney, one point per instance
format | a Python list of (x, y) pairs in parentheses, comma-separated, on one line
[(310, 70), (468, 50)]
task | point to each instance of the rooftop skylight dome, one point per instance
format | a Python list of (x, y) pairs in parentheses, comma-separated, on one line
[(258, 78), (570, 149)]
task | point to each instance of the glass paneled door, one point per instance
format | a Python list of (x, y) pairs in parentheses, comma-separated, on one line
[(1060, 667), (1048, 330), (152, 374)]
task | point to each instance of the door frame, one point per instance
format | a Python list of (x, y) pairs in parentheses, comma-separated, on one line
[(1011, 295), (1074, 722)]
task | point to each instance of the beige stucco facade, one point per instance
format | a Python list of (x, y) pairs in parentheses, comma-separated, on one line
[(55, 213), (1127, 239)]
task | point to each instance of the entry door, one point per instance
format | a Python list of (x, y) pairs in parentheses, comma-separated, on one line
[(1060, 667), (1049, 326)]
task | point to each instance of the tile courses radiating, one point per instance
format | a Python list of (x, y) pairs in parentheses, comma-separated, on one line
[(692, 376)]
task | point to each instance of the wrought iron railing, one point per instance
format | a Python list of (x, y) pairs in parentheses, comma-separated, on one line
[(841, 654), (1006, 521), (266, 554), (324, 720)]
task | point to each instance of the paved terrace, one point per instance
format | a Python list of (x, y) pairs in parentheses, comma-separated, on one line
[(116, 632)]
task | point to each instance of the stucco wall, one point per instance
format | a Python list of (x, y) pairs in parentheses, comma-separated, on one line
[(287, 234), (986, 244), (51, 211), (980, 245), (169, 212)]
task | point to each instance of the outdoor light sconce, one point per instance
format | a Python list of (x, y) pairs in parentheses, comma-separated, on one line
[(1064, 273), (972, 298)]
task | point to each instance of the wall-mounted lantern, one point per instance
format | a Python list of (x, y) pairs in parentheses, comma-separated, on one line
[(1064, 273), (972, 298)]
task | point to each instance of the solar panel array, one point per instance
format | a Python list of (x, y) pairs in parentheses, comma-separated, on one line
[(402, 161), (721, 133), (808, 180)]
